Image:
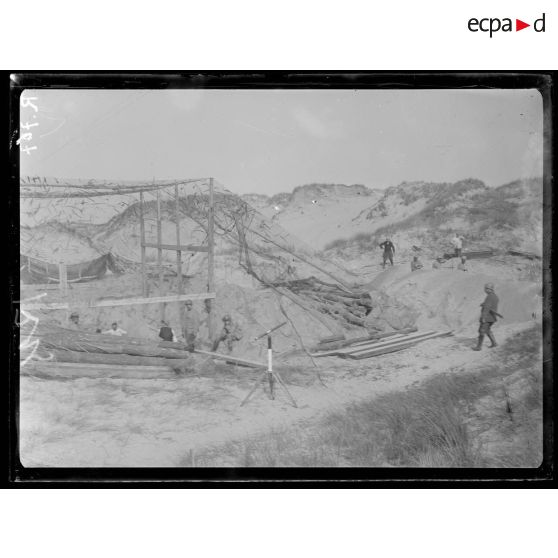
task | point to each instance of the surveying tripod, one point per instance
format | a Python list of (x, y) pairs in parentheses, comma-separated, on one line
[(270, 375)]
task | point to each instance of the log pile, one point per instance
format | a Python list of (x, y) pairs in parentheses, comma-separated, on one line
[(330, 299), (70, 346)]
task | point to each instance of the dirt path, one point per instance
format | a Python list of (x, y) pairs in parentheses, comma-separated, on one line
[(157, 423)]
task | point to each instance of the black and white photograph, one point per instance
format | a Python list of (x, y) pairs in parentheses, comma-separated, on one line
[(280, 277)]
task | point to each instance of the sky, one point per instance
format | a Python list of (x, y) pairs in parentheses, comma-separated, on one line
[(270, 141)]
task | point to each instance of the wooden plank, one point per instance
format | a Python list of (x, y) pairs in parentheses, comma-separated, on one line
[(82, 370), (390, 341), (372, 344), (176, 247), (365, 339), (471, 255), (142, 240), (63, 356), (391, 348), (84, 365), (97, 346), (528, 255), (386, 350), (332, 338), (118, 185), (228, 358), (115, 302), (211, 259), (394, 346)]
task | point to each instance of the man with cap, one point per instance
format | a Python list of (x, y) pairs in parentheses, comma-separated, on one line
[(230, 333), (489, 315)]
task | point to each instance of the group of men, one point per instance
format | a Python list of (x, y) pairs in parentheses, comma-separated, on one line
[(74, 324), (190, 324), (457, 243), (489, 308)]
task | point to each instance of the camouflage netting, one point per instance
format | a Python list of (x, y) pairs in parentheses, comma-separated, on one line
[(263, 274)]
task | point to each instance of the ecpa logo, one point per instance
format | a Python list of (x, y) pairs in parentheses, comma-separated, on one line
[(492, 25)]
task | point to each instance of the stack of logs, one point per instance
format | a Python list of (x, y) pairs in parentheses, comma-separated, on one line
[(349, 305), (65, 345)]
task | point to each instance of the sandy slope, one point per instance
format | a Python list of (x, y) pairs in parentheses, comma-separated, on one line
[(127, 423)]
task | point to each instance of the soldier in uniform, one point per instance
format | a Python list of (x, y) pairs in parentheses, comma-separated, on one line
[(389, 251), (489, 315), (230, 333), (190, 324)]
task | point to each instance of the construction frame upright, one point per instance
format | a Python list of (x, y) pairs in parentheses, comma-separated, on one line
[(179, 248)]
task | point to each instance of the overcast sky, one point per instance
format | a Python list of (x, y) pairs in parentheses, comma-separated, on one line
[(269, 141)]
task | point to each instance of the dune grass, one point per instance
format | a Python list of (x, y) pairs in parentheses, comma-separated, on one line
[(488, 418)]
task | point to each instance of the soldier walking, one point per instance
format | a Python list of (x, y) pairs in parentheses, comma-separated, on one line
[(489, 315)]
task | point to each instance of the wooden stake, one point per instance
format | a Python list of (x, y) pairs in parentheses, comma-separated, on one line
[(178, 252), (210, 260), (142, 235), (63, 278), (178, 255), (160, 254)]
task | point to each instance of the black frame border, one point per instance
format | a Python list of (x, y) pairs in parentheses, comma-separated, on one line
[(19, 476)]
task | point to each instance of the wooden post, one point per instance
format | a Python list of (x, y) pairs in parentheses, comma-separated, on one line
[(178, 252), (160, 254), (210, 261), (142, 240), (63, 278), (178, 255)]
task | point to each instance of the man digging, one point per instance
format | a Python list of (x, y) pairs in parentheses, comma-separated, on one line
[(489, 315)]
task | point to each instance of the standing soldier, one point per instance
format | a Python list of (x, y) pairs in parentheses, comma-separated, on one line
[(389, 251), (190, 324), (489, 315), (457, 243)]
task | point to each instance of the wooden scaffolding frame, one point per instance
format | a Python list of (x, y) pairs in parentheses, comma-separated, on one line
[(179, 248), (180, 297)]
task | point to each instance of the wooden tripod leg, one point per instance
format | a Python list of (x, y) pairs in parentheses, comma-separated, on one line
[(270, 378), (262, 379), (282, 384)]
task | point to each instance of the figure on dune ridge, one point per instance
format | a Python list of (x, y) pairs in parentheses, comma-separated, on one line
[(389, 251)]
